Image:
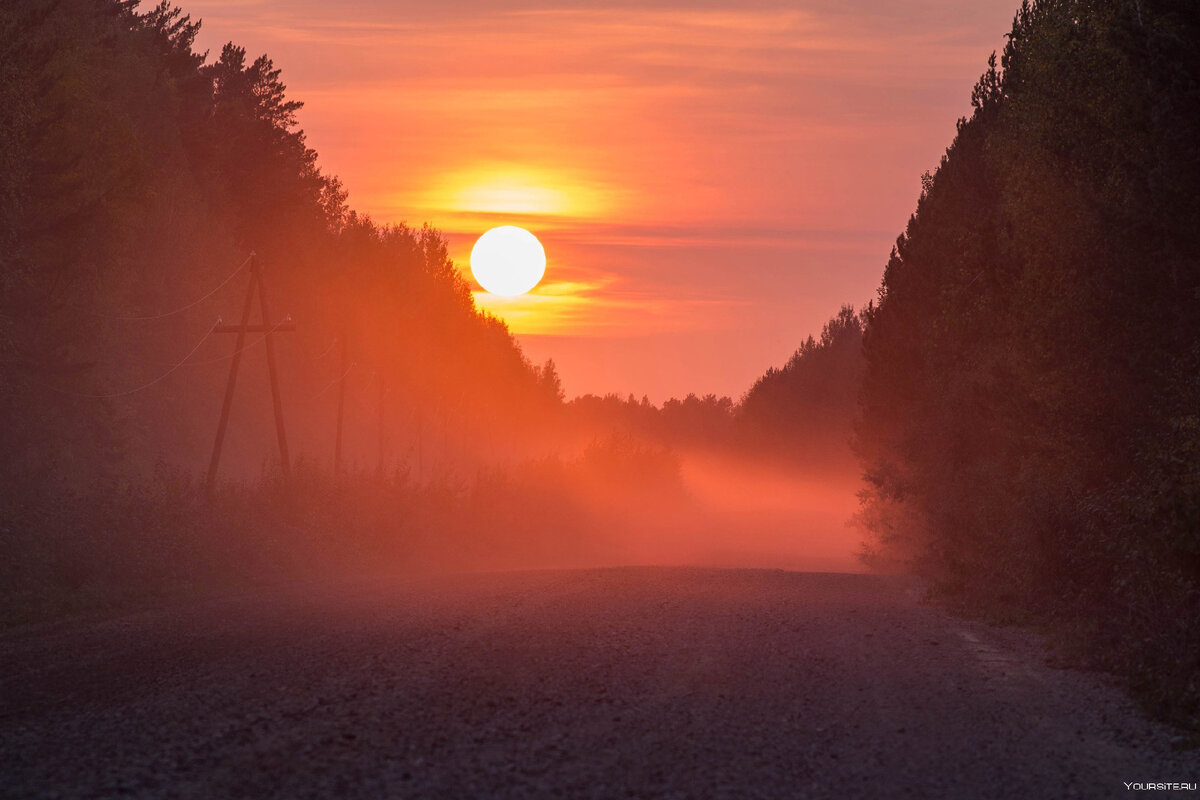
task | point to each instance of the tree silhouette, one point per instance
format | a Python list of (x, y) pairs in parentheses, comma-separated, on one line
[(1029, 405)]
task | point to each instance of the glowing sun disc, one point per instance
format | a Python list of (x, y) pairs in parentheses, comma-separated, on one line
[(508, 261)]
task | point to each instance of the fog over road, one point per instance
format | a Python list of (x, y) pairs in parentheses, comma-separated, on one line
[(638, 682)]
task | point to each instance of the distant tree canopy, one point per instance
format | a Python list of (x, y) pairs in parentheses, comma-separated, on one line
[(807, 407), (1031, 404), (693, 422), (801, 413)]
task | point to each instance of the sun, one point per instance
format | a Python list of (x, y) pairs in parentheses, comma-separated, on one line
[(508, 261)]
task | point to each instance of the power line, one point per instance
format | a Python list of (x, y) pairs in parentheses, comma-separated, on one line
[(334, 382), (218, 359), (137, 389), (235, 353), (326, 352), (181, 309)]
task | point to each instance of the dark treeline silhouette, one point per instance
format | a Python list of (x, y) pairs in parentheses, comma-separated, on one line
[(807, 407), (1030, 418), (136, 178), (801, 413)]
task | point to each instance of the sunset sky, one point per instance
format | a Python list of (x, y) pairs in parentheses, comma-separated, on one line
[(711, 181)]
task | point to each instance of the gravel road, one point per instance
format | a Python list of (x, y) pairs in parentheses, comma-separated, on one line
[(639, 682)]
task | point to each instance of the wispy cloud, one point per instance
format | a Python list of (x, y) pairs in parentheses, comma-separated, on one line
[(603, 308)]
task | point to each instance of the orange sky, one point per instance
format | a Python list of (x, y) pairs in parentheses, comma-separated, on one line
[(710, 180)]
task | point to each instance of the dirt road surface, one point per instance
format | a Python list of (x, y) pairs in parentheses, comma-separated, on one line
[(641, 682)]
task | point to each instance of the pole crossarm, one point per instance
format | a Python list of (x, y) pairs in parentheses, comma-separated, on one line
[(282, 327)]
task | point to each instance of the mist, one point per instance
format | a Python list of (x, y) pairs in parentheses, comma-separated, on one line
[(618, 504)]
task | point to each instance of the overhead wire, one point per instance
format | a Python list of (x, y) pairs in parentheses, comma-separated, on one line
[(183, 362), (135, 390), (335, 381), (325, 352), (181, 309), (243, 348)]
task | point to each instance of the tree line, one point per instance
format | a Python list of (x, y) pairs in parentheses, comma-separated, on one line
[(1030, 423)]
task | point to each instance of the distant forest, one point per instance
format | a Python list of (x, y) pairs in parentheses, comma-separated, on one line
[(1022, 397)]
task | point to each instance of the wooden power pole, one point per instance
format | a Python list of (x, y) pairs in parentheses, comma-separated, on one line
[(382, 394), (268, 330), (337, 444)]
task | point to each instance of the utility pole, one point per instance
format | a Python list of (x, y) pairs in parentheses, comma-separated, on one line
[(269, 330), (276, 399), (381, 395), (421, 440), (337, 443)]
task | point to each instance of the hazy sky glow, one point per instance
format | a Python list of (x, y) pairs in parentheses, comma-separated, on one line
[(710, 180)]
